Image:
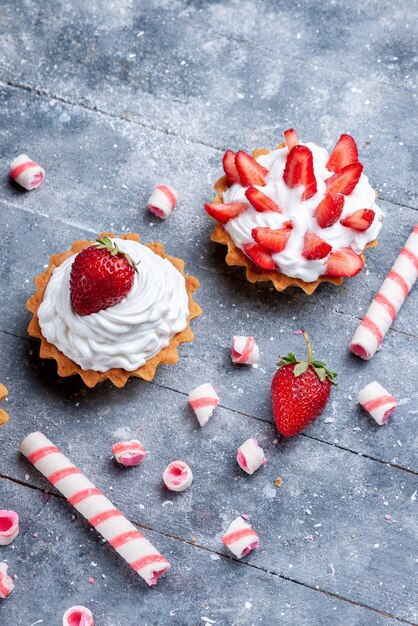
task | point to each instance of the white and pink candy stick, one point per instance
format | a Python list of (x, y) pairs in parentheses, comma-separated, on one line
[(250, 456), (9, 526), (389, 299), (162, 201), (26, 173), (377, 401), (203, 400), (95, 507), (6, 583), (240, 538), (244, 350), (78, 616), (129, 453)]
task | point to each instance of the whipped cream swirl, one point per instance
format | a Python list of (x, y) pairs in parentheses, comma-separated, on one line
[(125, 335), (290, 261)]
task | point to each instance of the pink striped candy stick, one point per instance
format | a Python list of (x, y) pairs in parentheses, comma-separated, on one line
[(203, 400), (26, 173), (95, 507), (240, 538), (244, 350), (6, 583), (162, 201), (389, 299), (377, 401)]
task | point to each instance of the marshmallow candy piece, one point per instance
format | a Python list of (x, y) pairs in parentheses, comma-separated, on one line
[(203, 400), (244, 350), (9, 527), (177, 476), (78, 616), (129, 453), (162, 201), (240, 538), (6, 583), (387, 302), (95, 507), (26, 173), (250, 456), (377, 401)]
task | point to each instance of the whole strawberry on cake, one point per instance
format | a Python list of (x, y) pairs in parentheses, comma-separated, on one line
[(296, 215), (113, 308)]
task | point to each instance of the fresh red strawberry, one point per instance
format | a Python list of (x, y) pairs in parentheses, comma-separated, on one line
[(224, 212), (249, 170), (101, 276), (290, 138), (359, 220), (230, 168), (345, 153), (260, 255), (300, 391), (344, 263), (329, 209), (314, 247), (299, 170), (345, 180), (261, 202), (275, 239)]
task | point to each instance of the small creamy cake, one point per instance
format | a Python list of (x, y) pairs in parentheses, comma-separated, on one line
[(296, 215), (128, 338)]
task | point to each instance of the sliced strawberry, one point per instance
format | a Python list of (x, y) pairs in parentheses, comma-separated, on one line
[(314, 247), (299, 170), (275, 239), (260, 255), (230, 168), (290, 138), (359, 220), (329, 209), (224, 212), (345, 153), (344, 263), (261, 202), (345, 180), (249, 170)]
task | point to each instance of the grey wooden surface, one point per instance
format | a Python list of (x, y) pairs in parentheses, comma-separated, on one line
[(112, 98)]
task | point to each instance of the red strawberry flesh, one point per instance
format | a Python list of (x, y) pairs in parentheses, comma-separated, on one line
[(344, 263), (224, 212), (345, 180), (314, 247), (329, 209), (261, 202), (249, 170), (230, 168), (290, 138), (299, 171), (260, 255), (344, 153), (359, 220), (275, 239)]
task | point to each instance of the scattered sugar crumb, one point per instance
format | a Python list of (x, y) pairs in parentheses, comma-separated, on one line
[(92, 581), (278, 482), (248, 605)]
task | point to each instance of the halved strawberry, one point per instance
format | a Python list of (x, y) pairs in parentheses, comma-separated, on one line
[(344, 263), (345, 180), (249, 170), (224, 212), (329, 209), (299, 170), (359, 220), (261, 202), (275, 239), (314, 247), (260, 255), (290, 138), (230, 168), (345, 152)]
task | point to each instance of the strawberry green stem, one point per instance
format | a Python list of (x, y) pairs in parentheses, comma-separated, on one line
[(308, 345)]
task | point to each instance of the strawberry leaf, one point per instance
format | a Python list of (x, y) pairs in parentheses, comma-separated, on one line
[(300, 369), (321, 373)]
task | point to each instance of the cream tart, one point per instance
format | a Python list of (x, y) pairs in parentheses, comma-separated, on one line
[(113, 330), (296, 215)]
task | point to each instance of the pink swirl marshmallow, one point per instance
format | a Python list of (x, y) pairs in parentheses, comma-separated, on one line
[(177, 476), (129, 453), (240, 538), (250, 456), (6, 583), (377, 401), (9, 527), (26, 173), (93, 505), (162, 201), (78, 616), (244, 350), (387, 302), (203, 400)]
